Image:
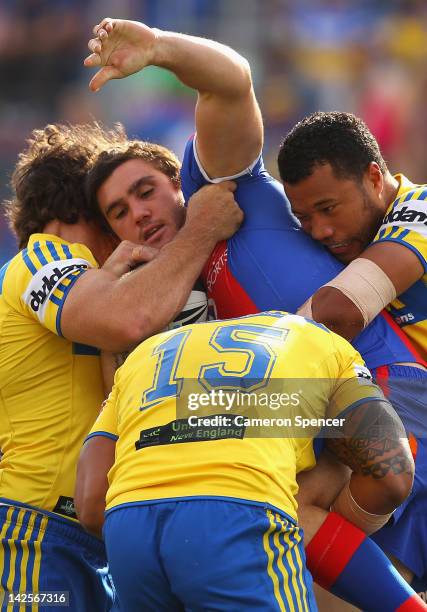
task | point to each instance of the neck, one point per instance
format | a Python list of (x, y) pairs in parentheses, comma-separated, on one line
[(67, 232), (391, 187), (84, 232)]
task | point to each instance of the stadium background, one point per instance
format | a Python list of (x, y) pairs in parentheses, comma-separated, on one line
[(356, 55)]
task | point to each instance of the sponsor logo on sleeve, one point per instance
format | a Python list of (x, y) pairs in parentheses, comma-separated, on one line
[(407, 215), (362, 372), (46, 280)]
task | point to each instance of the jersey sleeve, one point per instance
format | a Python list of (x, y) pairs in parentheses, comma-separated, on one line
[(193, 175), (353, 384), (106, 423), (47, 273), (406, 223)]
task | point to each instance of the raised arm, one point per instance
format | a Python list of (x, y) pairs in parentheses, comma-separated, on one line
[(228, 120)]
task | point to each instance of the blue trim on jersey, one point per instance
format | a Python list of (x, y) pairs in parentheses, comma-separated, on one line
[(2, 275), (103, 434), (37, 250), (52, 250), (236, 500), (28, 262), (85, 349), (408, 196), (55, 300), (403, 234), (73, 279), (66, 251), (394, 230), (399, 240), (423, 195), (61, 287)]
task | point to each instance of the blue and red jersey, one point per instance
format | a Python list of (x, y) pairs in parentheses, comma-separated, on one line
[(271, 264)]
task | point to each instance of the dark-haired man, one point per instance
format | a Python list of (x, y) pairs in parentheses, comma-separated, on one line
[(269, 263), (345, 197)]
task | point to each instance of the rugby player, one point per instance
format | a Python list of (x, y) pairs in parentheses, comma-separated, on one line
[(243, 275), (345, 197), (55, 307), (202, 517)]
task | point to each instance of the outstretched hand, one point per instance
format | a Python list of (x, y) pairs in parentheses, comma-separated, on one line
[(121, 48)]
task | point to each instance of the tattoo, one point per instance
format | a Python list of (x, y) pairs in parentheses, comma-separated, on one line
[(372, 441)]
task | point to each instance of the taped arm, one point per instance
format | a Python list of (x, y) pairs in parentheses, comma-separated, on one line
[(349, 302)]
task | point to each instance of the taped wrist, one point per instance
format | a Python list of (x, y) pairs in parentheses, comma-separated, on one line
[(346, 505)]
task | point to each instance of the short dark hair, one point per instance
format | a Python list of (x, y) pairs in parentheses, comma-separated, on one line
[(121, 150), (340, 139), (48, 180)]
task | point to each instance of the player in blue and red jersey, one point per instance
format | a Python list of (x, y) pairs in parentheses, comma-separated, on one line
[(269, 263)]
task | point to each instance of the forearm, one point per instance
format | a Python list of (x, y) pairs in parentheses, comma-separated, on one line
[(374, 446), (161, 288)]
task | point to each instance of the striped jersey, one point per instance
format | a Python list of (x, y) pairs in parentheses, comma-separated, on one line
[(406, 223), (50, 388), (211, 410)]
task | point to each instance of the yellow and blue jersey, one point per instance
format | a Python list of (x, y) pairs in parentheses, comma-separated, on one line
[(406, 223), (50, 388), (162, 456)]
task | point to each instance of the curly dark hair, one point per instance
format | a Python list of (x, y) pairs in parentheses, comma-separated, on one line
[(48, 180), (121, 150), (340, 139)]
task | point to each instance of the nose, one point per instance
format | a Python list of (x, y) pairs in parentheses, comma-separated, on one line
[(139, 210), (321, 230)]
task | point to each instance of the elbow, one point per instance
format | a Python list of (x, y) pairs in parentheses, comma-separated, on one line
[(395, 489), (128, 333)]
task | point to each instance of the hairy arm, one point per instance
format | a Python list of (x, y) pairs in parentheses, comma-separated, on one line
[(228, 119), (96, 459), (373, 444), (115, 314), (341, 314)]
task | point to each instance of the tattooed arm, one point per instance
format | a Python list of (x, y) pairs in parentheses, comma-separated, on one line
[(373, 444)]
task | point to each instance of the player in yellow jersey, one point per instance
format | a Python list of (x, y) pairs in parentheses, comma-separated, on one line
[(56, 310), (200, 508), (340, 188)]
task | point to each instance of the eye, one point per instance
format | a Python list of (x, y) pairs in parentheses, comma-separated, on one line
[(328, 209), (120, 213), (146, 192)]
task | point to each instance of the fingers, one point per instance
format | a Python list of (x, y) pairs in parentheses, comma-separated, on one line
[(228, 186), (92, 60), (144, 253), (103, 76), (106, 24)]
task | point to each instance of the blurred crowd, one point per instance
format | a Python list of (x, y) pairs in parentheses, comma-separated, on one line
[(366, 57)]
